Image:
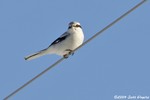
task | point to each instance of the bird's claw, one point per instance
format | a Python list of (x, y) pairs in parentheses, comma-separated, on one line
[(71, 52)]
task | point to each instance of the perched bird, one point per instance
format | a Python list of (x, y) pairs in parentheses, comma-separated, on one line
[(65, 44)]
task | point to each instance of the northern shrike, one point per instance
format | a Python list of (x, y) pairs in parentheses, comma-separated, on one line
[(65, 44)]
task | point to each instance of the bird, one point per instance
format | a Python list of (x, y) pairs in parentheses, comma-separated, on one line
[(63, 45)]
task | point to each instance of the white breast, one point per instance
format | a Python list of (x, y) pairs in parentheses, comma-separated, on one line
[(74, 40)]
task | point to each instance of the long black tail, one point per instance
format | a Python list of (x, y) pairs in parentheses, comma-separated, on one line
[(36, 55)]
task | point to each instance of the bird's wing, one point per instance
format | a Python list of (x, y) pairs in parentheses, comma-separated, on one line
[(61, 38)]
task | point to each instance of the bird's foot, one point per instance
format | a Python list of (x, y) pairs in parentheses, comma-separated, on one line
[(71, 52), (66, 56)]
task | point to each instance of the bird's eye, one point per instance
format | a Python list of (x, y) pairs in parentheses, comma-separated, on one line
[(78, 26)]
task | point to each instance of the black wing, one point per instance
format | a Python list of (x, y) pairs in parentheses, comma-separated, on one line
[(61, 38)]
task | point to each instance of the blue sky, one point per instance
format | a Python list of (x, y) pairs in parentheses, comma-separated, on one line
[(115, 63)]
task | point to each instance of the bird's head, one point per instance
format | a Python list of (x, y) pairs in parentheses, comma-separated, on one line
[(74, 24)]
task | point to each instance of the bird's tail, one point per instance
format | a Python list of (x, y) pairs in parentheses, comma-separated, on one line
[(36, 55)]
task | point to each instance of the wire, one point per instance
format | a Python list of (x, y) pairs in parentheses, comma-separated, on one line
[(60, 60), (112, 23), (17, 90)]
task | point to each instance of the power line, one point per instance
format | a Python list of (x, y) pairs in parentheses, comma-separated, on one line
[(112, 23), (24, 85), (60, 60)]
